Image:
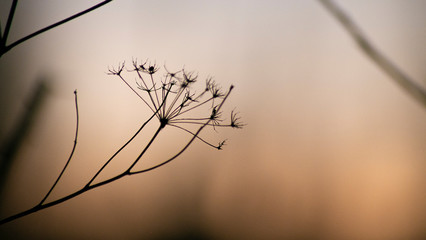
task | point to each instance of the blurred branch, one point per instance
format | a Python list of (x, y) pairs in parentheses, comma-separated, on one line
[(405, 82), (11, 146), (5, 48)]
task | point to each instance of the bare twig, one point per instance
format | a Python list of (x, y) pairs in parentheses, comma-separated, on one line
[(71, 154), (403, 80), (9, 22), (5, 48)]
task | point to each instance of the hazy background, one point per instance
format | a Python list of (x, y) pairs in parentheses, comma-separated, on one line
[(333, 149)]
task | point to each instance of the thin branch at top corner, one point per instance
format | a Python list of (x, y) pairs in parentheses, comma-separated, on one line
[(409, 85), (14, 44), (4, 35)]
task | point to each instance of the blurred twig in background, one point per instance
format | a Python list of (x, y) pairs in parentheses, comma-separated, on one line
[(409, 85), (3, 36), (12, 144)]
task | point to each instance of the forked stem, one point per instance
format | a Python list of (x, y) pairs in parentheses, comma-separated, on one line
[(164, 121)]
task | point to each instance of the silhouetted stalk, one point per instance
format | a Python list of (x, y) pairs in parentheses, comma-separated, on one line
[(153, 85), (72, 151), (144, 87), (146, 148), (61, 200), (403, 80), (119, 150), (137, 93)]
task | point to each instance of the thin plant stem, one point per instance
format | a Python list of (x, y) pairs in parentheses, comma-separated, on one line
[(146, 148), (14, 44), (120, 149), (60, 200), (175, 114), (147, 89), (72, 151), (136, 93), (174, 102), (153, 85), (403, 80), (9, 23), (193, 134)]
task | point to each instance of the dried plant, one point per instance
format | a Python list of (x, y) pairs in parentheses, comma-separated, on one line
[(173, 103)]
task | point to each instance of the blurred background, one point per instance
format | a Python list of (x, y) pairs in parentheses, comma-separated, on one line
[(333, 149)]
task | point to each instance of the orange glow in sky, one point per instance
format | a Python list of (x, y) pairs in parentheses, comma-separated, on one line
[(332, 149)]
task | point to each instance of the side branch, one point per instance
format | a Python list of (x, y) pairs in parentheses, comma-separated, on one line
[(410, 86), (119, 150), (72, 151)]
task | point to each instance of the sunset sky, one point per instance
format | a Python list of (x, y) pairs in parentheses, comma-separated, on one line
[(332, 147)]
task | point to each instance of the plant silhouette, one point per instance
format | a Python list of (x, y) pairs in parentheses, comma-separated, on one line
[(173, 103)]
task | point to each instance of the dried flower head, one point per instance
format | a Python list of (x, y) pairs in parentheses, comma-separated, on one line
[(113, 71), (172, 99)]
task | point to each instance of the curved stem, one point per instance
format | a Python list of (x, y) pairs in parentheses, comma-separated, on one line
[(72, 151)]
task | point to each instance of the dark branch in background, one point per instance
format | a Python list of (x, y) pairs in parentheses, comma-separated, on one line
[(5, 48), (410, 86), (10, 147)]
